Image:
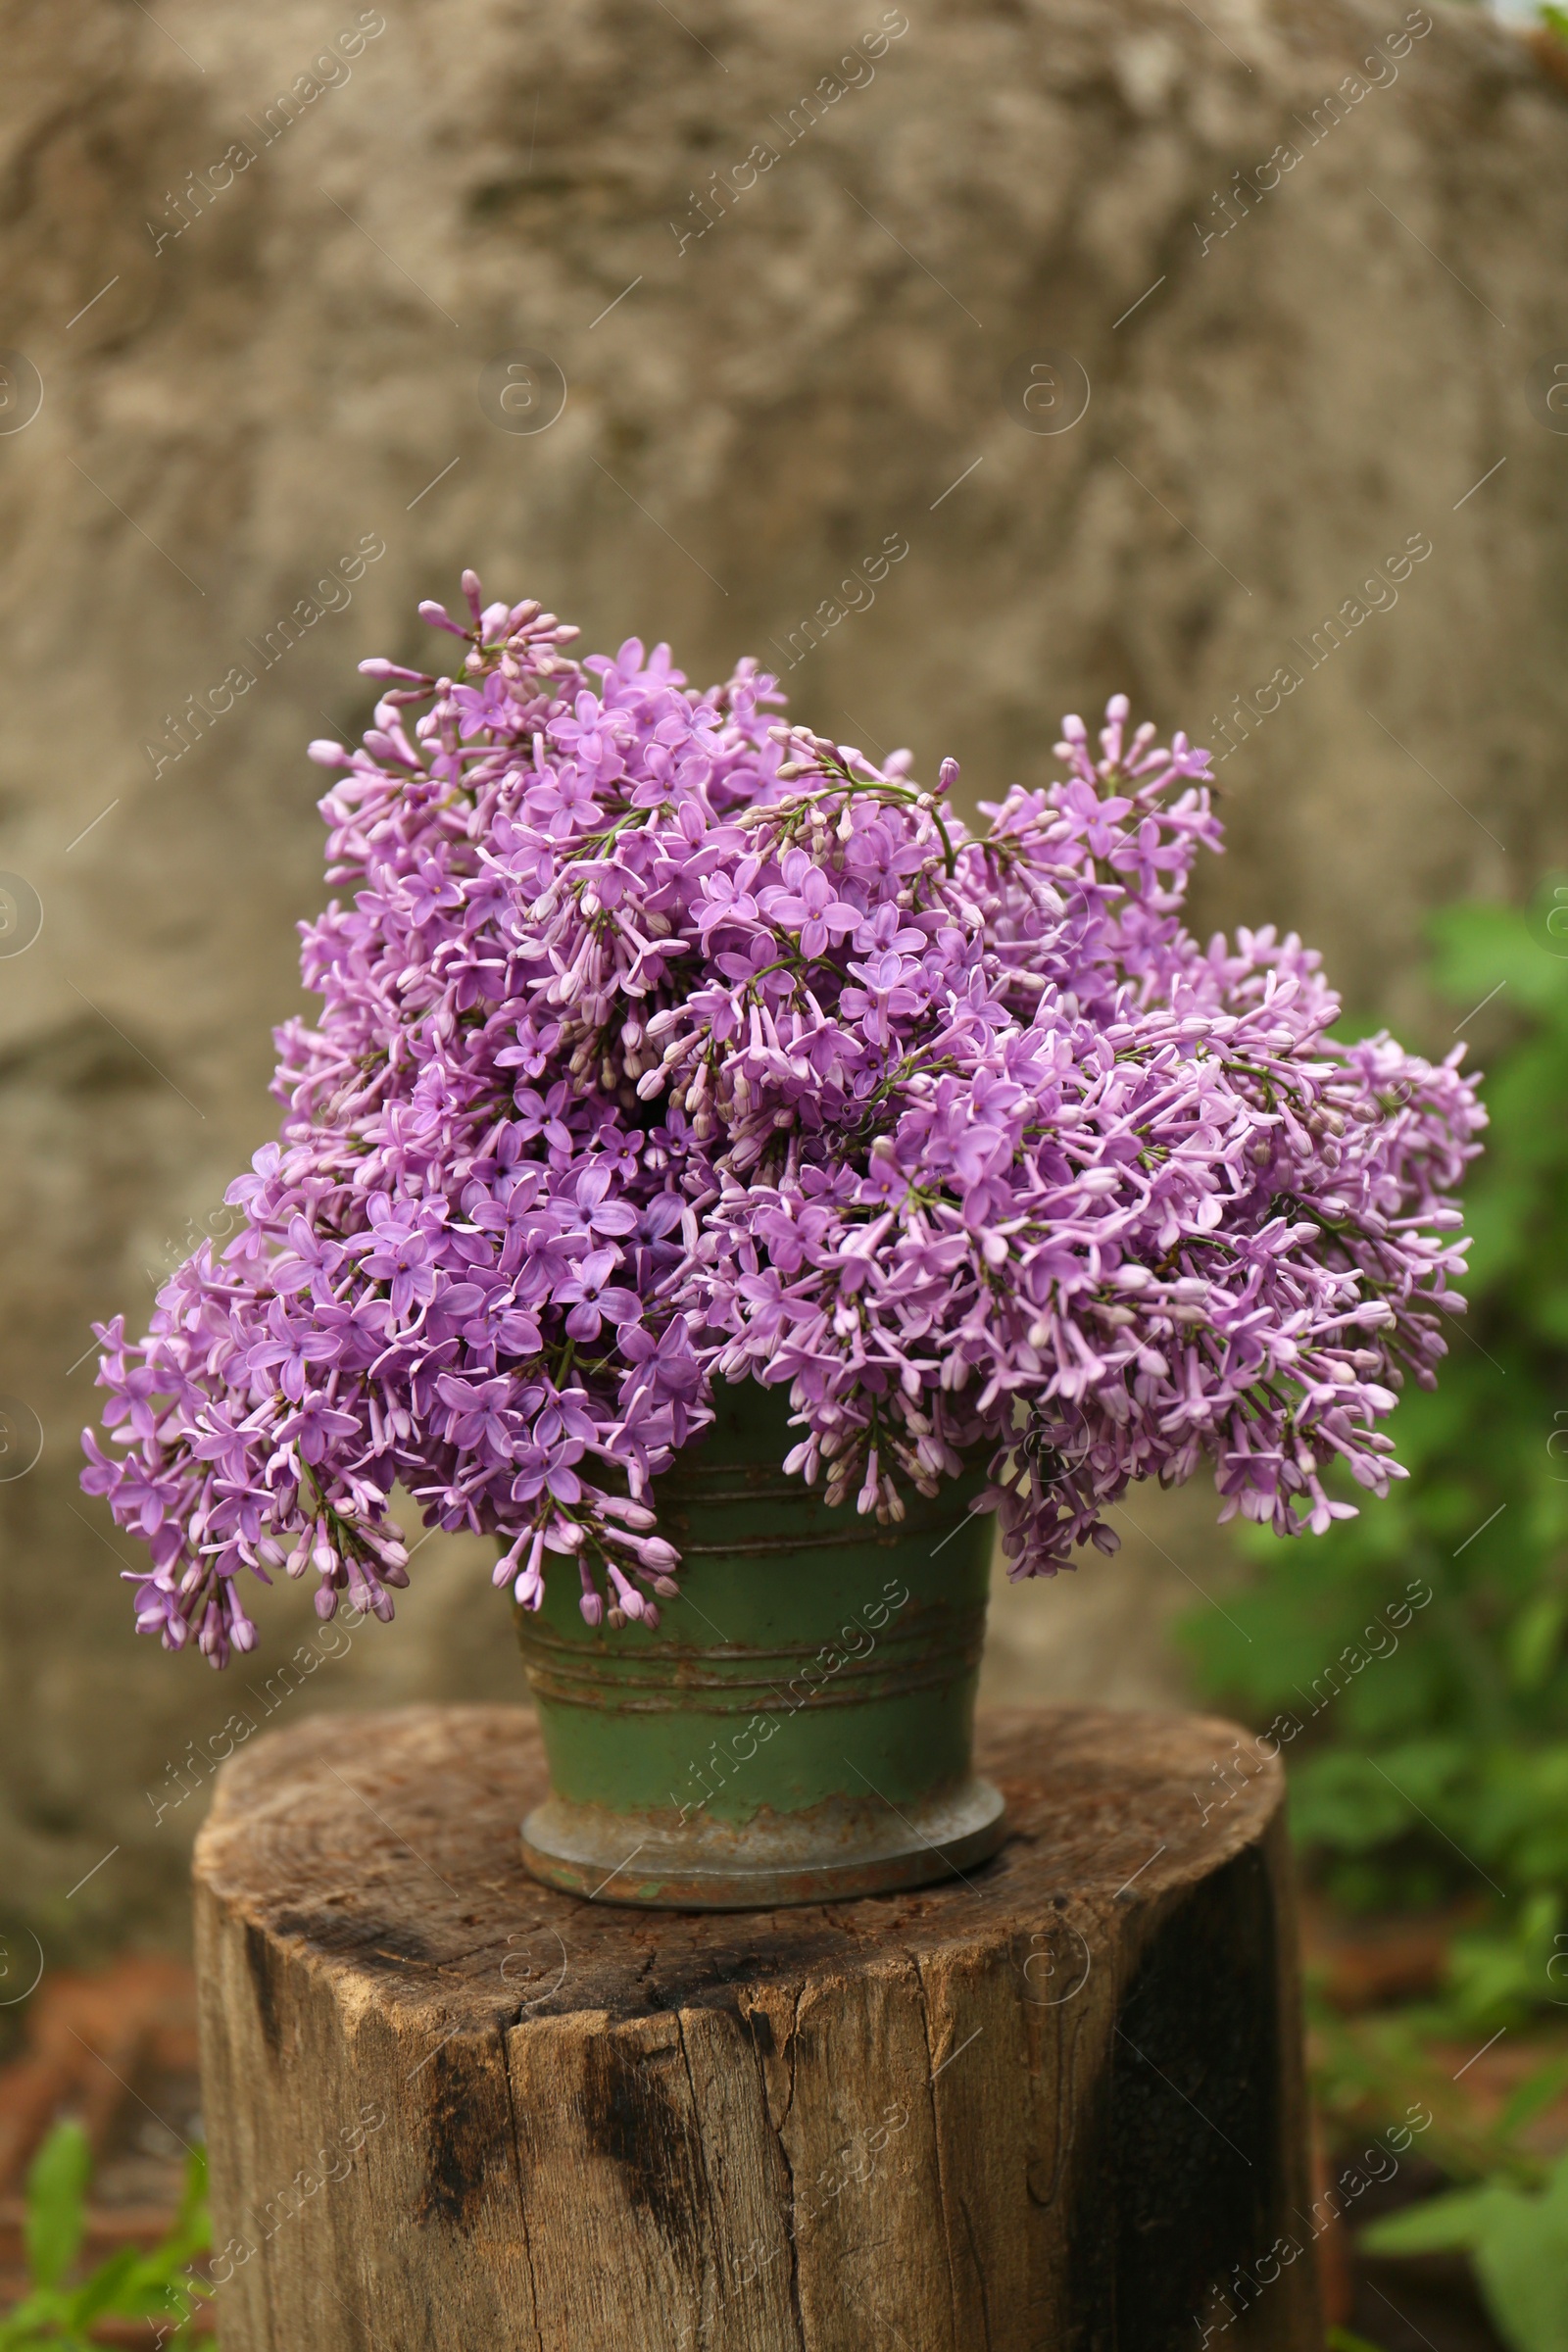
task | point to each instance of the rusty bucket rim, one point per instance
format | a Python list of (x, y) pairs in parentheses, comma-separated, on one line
[(971, 1824)]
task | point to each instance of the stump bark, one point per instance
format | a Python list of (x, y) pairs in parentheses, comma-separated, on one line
[(1055, 2104)]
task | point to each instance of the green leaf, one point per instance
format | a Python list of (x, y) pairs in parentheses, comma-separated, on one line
[(57, 2193), (192, 2232), (154, 2290), (1535, 1639), (1339, 2339), (1518, 2243), (128, 2286), (1533, 2097), (1436, 2226), (22, 2331), (1522, 2265), (104, 2290)]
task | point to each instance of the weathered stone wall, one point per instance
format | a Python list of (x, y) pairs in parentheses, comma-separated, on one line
[(770, 374)]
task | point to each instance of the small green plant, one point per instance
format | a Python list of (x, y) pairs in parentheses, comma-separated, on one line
[(1428, 1750), (54, 2317), (1517, 2241), (1380, 2062)]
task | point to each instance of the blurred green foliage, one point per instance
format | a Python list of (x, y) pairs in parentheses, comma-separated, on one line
[(54, 2317), (1517, 2241), (1431, 1763), (1396, 2061)]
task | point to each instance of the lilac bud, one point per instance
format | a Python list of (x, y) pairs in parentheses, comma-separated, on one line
[(439, 618)]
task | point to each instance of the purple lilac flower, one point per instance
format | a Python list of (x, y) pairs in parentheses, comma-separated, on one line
[(663, 1044)]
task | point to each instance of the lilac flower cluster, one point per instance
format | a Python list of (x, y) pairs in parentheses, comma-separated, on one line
[(662, 1043)]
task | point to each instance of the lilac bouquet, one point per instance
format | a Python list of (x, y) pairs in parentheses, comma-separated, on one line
[(663, 1044)]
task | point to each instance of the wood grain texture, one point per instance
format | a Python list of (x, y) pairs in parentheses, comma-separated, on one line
[(1058, 2104)]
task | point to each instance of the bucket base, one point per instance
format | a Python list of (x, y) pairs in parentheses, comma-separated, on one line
[(846, 1847)]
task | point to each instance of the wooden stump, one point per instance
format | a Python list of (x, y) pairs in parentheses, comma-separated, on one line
[(1056, 2105)]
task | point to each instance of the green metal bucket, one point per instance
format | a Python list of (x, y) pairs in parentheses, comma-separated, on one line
[(800, 1725)]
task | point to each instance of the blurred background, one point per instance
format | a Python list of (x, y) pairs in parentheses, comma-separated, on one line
[(966, 360)]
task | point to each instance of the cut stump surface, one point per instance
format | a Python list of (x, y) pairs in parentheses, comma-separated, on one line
[(1055, 2104)]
